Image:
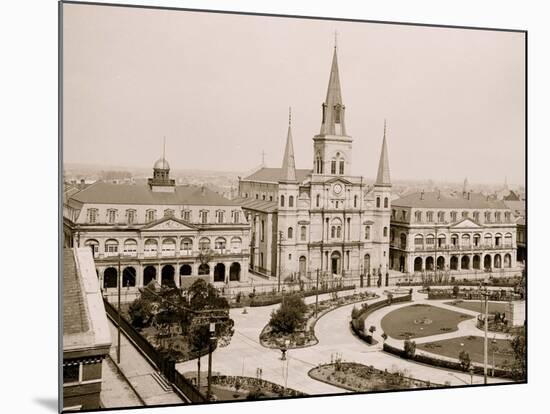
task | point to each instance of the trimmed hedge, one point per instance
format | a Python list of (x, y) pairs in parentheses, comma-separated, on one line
[(270, 300), (443, 363)]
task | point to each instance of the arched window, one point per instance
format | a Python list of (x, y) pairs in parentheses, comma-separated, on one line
[(377, 202), (236, 243), (204, 243), (386, 202), (168, 247), (338, 232), (333, 232), (290, 231), (110, 278), (341, 170), (204, 269), (418, 216), (488, 240), (333, 167), (440, 216), (303, 233), (453, 216), (111, 247), (418, 242), (454, 240), (367, 232), (130, 247), (94, 246), (150, 248), (385, 232), (219, 244), (282, 201), (508, 240), (291, 201), (186, 245)]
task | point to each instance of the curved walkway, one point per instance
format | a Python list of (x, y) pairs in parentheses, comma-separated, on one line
[(245, 354)]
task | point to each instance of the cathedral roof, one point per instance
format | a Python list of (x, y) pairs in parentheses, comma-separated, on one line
[(107, 193), (277, 174)]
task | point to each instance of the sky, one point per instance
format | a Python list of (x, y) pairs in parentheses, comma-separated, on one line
[(219, 87)]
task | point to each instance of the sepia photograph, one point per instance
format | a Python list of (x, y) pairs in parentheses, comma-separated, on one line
[(260, 207)]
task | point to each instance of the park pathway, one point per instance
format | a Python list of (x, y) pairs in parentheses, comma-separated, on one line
[(245, 353)]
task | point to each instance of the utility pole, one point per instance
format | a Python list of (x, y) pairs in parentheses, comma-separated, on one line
[(317, 293), (280, 261), (119, 281), (486, 295)]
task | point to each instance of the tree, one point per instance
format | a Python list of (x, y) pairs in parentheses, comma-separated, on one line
[(290, 315), (465, 361), (519, 348)]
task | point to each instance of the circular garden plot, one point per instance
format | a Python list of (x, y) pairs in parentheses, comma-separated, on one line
[(419, 320)]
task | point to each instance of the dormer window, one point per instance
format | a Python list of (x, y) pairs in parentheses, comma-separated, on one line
[(150, 215), (111, 216), (219, 216), (92, 215), (204, 216), (131, 216), (186, 215)]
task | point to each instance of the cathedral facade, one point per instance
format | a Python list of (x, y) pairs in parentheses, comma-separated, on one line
[(323, 218)]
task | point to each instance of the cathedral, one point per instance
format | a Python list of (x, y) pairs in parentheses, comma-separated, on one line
[(322, 218)]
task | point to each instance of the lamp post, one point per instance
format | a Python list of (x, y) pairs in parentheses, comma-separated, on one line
[(471, 374), (287, 344), (280, 261), (210, 345), (119, 280), (485, 295), (494, 349)]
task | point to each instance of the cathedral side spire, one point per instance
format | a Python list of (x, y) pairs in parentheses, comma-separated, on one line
[(383, 176), (289, 165)]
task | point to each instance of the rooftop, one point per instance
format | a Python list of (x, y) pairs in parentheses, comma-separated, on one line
[(259, 205), (438, 200), (108, 193), (277, 174)]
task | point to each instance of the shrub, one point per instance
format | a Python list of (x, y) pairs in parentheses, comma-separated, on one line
[(410, 349), (455, 290), (290, 315), (465, 360), (355, 313), (372, 329), (384, 336)]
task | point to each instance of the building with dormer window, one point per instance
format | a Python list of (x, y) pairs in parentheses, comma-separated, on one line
[(321, 218), (474, 235), (159, 231)]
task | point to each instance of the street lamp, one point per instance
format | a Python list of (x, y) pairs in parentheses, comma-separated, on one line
[(284, 348), (287, 344), (210, 346)]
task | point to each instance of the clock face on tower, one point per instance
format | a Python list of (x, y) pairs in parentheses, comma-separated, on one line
[(337, 188)]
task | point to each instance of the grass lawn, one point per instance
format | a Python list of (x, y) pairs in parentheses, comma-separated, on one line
[(416, 321), (479, 306), (473, 345)]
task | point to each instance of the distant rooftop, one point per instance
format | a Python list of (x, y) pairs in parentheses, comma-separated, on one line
[(277, 174), (436, 199), (108, 193)]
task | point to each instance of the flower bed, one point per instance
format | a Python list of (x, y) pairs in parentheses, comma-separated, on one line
[(512, 282), (306, 336), (501, 295), (360, 378)]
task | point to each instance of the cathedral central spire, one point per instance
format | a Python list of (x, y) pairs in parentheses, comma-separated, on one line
[(333, 108)]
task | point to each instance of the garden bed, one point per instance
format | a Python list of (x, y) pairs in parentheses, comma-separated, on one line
[(356, 377), (306, 336)]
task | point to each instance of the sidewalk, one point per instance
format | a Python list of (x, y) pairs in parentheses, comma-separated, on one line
[(140, 373), (115, 391)]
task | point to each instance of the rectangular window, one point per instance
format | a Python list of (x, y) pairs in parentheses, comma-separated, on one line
[(404, 215), (235, 217), (262, 231), (92, 215), (367, 232), (219, 216), (186, 215), (441, 217), (430, 216), (71, 372), (341, 167), (497, 216), (453, 216), (111, 216), (131, 215), (151, 215), (204, 217)]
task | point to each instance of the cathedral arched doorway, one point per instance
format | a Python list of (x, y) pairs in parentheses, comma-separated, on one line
[(366, 263), (149, 274), (167, 276), (487, 262), (302, 266), (335, 263)]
